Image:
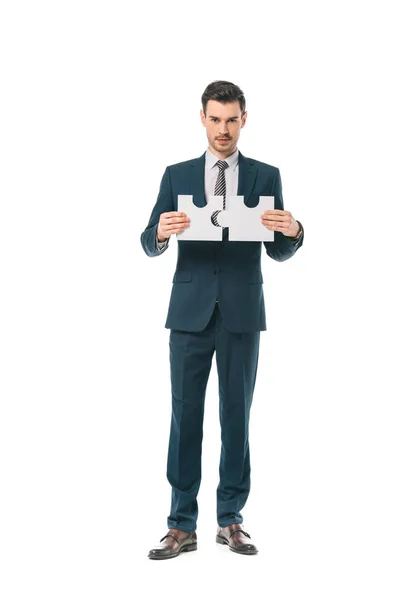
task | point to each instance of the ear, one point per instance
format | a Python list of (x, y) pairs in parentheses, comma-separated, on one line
[(244, 118), (202, 117)]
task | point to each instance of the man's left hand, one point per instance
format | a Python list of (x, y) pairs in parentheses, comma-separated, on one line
[(280, 220)]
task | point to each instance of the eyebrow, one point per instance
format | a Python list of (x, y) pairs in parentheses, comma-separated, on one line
[(213, 117)]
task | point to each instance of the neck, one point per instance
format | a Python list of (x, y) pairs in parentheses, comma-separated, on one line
[(221, 155)]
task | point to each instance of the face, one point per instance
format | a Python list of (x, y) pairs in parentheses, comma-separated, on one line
[(223, 123)]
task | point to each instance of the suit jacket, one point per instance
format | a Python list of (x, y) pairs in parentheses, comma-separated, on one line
[(229, 272)]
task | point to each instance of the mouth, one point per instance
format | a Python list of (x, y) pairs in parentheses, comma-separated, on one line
[(222, 140)]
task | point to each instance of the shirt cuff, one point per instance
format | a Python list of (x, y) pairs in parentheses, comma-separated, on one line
[(161, 245)]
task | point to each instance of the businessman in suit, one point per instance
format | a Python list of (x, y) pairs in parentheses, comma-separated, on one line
[(216, 304)]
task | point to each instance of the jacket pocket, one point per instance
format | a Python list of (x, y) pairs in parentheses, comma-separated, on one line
[(182, 276)]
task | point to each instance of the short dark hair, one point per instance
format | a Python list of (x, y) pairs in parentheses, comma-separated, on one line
[(223, 91)]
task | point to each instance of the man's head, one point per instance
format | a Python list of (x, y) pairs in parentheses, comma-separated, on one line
[(223, 115)]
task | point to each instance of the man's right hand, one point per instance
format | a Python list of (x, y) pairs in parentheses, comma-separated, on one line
[(170, 223)]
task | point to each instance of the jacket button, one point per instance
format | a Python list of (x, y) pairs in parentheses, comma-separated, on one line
[(215, 271)]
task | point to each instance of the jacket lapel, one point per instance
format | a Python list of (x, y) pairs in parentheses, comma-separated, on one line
[(247, 179), (197, 180)]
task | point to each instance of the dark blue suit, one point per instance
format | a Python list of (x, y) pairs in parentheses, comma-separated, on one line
[(229, 272)]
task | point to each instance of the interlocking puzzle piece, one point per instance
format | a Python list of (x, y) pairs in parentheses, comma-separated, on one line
[(201, 227), (243, 222)]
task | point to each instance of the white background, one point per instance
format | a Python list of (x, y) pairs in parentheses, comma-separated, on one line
[(97, 99)]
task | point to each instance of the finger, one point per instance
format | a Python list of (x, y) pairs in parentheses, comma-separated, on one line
[(174, 213), (177, 216), (277, 228), (275, 223), (170, 220), (170, 229), (275, 217)]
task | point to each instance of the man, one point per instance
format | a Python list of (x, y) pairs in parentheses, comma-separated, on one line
[(216, 304)]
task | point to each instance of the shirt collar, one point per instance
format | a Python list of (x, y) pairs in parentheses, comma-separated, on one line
[(232, 160)]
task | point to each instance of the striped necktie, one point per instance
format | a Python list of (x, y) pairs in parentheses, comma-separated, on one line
[(220, 188)]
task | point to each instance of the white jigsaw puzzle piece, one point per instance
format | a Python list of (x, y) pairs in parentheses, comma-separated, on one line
[(201, 228), (244, 222)]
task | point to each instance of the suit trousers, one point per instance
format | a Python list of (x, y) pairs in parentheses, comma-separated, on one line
[(191, 356)]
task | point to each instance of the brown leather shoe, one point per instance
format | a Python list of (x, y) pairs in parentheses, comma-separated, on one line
[(236, 538), (176, 541)]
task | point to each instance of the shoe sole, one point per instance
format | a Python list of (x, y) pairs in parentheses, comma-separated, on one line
[(187, 548), (224, 542)]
